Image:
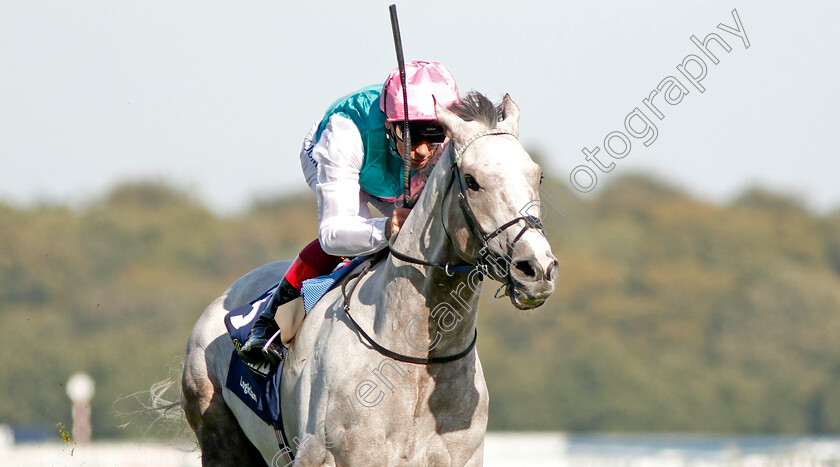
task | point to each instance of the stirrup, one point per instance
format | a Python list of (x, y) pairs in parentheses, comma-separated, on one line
[(271, 355)]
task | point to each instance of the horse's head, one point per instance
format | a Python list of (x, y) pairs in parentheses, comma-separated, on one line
[(496, 221)]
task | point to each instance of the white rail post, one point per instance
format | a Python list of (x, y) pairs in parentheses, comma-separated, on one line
[(80, 390)]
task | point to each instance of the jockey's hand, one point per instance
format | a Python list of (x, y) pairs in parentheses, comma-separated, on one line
[(395, 221)]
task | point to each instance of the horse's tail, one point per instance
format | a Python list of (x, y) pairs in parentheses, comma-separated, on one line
[(159, 407)]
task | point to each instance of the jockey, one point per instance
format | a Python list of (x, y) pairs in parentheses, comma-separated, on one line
[(352, 157)]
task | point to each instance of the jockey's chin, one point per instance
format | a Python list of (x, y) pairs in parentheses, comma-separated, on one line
[(419, 164)]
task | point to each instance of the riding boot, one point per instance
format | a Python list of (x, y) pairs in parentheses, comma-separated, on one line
[(254, 350)]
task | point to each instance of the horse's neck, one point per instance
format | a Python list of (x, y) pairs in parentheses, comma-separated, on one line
[(432, 307)]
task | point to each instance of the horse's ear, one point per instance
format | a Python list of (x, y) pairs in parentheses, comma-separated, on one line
[(510, 113), (452, 123)]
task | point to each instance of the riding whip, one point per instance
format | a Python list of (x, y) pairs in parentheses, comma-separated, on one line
[(395, 28)]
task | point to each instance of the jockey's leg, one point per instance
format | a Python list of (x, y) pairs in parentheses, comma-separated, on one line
[(311, 262)]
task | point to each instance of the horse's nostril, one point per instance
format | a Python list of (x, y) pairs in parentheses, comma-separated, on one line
[(526, 268), (551, 271)]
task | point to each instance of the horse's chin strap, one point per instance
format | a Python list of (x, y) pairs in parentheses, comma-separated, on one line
[(449, 268)]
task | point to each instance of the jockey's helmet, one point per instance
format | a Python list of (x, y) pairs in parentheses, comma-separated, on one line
[(424, 80)]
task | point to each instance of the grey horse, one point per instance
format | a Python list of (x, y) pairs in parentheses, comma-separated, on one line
[(384, 370)]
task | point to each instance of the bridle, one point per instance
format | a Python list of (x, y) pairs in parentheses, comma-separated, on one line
[(487, 259), (487, 256)]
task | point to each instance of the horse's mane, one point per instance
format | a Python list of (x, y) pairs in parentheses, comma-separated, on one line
[(476, 107)]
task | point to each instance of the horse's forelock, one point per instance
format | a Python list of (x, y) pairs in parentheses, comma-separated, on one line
[(476, 107)]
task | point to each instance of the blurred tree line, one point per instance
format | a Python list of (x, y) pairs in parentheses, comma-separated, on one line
[(670, 314)]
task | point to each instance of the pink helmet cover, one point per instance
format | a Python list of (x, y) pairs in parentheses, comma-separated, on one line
[(424, 80)]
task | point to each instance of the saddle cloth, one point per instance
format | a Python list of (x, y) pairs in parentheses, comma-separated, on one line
[(315, 289), (258, 386)]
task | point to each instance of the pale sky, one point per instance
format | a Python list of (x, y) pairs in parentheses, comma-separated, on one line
[(217, 96)]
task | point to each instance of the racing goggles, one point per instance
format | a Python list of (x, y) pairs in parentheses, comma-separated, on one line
[(420, 131)]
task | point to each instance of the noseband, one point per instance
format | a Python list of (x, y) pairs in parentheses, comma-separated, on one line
[(487, 257)]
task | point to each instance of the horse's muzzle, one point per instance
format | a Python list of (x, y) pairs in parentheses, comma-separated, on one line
[(532, 279)]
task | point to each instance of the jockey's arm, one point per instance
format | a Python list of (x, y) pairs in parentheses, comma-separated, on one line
[(345, 226)]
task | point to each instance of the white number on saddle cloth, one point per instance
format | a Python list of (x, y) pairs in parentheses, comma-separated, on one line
[(239, 321)]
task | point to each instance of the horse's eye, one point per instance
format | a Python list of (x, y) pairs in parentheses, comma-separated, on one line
[(542, 177), (471, 183)]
